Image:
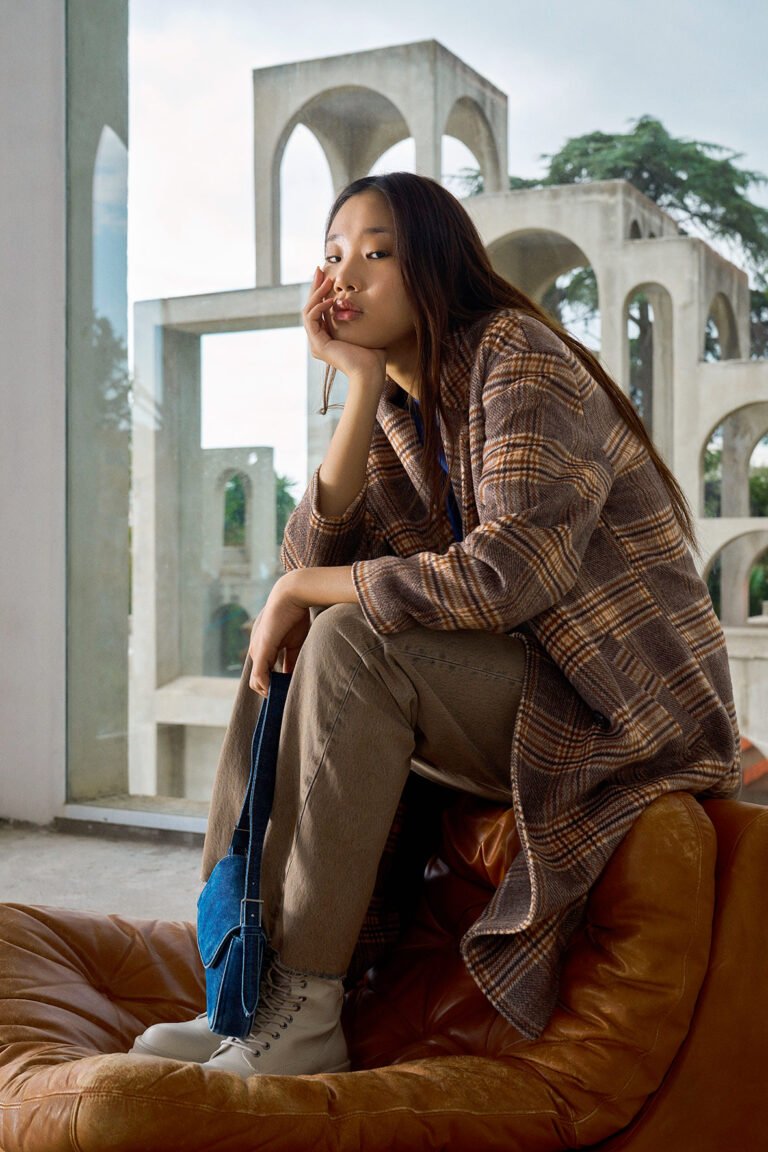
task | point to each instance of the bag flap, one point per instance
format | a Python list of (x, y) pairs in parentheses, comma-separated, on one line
[(218, 907)]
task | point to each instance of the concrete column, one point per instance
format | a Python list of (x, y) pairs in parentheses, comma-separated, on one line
[(614, 354), (267, 213), (98, 416), (147, 414), (662, 370), (32, 426), (428, 140)]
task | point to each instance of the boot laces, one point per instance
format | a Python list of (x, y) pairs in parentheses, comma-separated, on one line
[(279, 999)]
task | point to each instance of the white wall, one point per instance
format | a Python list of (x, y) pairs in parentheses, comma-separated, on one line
[(32, 409)]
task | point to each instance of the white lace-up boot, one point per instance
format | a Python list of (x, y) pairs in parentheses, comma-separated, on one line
[(190, 1040), (296, 1031)]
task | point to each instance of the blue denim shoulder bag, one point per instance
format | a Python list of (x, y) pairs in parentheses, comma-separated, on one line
[(230, 935)]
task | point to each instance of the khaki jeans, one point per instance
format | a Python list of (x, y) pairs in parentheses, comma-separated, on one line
[(363, 710)]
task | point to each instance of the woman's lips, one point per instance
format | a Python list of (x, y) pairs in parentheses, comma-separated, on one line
[(343, 310)]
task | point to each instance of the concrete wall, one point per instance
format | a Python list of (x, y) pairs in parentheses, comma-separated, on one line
[(32, 412)]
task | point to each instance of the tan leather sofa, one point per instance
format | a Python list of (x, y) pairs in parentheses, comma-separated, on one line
[(659, 1043)]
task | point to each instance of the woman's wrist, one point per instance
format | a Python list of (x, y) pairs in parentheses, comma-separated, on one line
[(320, 587)]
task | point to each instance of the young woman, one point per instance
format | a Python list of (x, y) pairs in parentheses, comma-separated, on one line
[(511, 608)]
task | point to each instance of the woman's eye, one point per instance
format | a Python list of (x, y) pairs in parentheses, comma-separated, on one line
[(332, 259), (379, 254)]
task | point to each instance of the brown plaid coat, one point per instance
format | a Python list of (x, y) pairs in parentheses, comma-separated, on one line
[(571, 544)]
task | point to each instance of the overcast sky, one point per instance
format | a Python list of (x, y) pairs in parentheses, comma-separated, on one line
[(567, 68)]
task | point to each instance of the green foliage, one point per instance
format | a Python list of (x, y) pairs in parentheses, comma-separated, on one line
[(713, 584), (698, 184), (713, 476), (758, 309), (110, 368), (758, 585), (235, 509), (575, 292), (234, 512), (640, 317), (758, 492)]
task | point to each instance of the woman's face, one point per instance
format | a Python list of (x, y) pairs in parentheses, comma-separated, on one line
[(371, 306)]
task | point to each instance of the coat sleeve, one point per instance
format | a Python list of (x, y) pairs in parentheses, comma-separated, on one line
[(543, 480), (312, 540)]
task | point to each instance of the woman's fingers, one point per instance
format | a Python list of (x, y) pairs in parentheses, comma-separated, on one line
[(259, 679), (281, 625), (318, 304), (321, 286)]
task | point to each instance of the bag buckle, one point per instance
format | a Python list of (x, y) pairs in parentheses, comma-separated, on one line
[(246, 915)]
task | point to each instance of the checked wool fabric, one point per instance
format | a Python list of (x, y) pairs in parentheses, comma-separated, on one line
[(570, 543)]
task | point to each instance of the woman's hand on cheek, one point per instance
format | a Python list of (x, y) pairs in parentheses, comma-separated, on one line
[(282, 625), (351, 359)]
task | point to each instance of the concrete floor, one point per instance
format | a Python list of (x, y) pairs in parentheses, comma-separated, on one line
[(153, 879)]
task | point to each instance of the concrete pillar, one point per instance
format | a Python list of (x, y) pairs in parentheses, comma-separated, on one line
[(427, 139), (98, 419), (614, 355), (737, 448), (147, 417), (32, 429), (663, 427)]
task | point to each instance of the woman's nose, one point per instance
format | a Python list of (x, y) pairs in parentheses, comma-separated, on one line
[(345, 278)]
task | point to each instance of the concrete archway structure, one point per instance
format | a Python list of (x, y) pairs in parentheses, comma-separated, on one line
[(631, 244), (358, 106), (532, 258), (721, 313)]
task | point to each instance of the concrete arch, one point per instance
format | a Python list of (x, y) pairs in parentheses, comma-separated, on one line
[(743, 428), (353, 125), (655, 385), (721, 315), (737, 557), (228, 474), (635, 231), (532, 258), (762, 436), (409, 90), (468, 123)]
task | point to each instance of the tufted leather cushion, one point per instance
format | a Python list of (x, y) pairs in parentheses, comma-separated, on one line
[(438, 1067)]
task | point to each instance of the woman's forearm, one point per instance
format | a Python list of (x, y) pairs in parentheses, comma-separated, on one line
[(342, 473), (320, 587)]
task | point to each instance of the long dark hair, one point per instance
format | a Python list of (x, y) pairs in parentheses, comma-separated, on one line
[(451, 284)]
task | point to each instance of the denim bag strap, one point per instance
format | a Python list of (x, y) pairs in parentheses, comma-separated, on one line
[(230, 935)]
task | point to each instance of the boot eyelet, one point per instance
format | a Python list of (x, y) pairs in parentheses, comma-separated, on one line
[(302, 1000), (267, 1046)]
